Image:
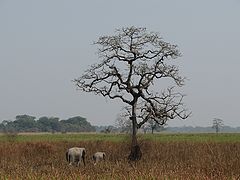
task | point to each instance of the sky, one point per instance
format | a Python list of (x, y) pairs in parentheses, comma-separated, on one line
[(46, 44)]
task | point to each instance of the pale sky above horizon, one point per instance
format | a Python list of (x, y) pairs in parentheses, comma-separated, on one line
[(45, 44)]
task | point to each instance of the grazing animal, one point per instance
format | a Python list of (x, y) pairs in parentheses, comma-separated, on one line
[(98, 156), (75, 155)]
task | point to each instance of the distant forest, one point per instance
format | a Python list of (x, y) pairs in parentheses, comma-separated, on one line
[(26, 123)]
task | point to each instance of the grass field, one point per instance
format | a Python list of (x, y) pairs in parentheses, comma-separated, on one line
[(160, 137), (165, 156)]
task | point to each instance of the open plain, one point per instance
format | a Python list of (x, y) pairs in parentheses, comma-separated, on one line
[(165, 156)]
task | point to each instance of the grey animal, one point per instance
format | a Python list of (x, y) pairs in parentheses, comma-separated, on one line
[(98, 156), (75, 155)]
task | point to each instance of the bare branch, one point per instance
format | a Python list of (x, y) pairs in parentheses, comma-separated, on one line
[(131, 60)]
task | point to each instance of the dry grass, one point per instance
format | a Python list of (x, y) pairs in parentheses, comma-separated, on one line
[(173, 160)]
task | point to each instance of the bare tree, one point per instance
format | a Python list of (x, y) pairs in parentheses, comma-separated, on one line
[(132, 61), (153, 125), (217, 124), (123, 123)]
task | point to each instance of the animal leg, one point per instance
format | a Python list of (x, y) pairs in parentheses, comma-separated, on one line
[(78, 164)]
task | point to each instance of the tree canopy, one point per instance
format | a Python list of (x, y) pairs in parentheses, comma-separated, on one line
[(26, 123), (132, 61)]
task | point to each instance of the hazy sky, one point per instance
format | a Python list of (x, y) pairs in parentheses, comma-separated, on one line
[(47, 43)]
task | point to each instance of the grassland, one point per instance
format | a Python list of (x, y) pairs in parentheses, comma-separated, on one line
[(160, 137), (165, 156)]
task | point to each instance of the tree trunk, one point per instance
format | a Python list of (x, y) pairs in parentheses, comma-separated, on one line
[(135, 153), (134, 131)]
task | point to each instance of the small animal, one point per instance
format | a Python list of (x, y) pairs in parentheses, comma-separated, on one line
[(98, 156), (75, 155)]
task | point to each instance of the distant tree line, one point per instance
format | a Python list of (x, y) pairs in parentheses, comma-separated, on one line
[(167, 129), (27, 123)]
